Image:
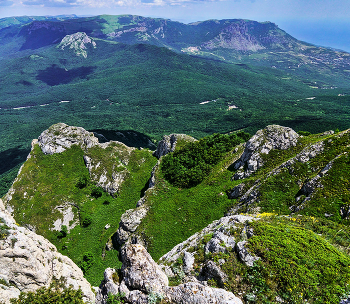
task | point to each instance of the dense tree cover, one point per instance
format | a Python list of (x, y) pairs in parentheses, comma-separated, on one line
[(190, 165)]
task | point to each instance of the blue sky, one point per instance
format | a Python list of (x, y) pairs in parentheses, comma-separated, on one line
[(322, 22)]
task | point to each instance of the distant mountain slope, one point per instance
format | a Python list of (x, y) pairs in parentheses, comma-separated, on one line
[(233, 40), (120, 81)]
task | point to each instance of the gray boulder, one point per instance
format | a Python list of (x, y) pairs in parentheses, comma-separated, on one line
[(28, 261), (196, 293), (60, 137), (272, 137), (107, 286), (168, 144), (139, 270), (245, 255)]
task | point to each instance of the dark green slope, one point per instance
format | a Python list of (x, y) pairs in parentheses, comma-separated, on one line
[(151, 90)]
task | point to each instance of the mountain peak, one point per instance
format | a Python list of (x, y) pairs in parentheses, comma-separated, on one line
[(78, 42)]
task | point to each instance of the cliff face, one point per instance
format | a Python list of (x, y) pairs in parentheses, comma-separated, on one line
[(28, 261)]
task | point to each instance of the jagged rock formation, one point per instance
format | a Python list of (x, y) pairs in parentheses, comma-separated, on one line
[(106, 174), (28, 261), (168, 144), (272, 137), (250, 195), (129, 222), (220, 241), (78, 42), (60, 137), (143, 281), (109, 177)]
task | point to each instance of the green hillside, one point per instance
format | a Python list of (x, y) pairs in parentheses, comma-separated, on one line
[(299, 196)]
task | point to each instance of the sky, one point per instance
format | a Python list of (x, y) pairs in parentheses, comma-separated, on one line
[(321, 22)]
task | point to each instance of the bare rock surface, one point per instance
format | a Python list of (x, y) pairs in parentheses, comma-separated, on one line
[(129, 222), (108, 285), (221, 233), (245, 255), (140, 271), (60, 137), (78, 42), (28, 261), (144, 282), (272, 137), (168, 144), (109, 178), (196, 293)]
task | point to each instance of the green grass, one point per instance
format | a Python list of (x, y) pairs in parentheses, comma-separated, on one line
[(47, 181), (176, 213), (297, 264)]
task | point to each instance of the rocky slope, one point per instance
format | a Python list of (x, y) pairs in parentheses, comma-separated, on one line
[(57, 139), (291, 245), (78, 42), (144, 282), (28, 261)]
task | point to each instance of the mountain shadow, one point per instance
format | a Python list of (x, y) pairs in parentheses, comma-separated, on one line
[(10, 158), (55, 75), (128, 137)]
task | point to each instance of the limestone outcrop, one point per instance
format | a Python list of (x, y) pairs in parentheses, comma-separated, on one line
[(272, 137), (60, 137), (28, 261), (78, 42), (143, 281), (169, 142)]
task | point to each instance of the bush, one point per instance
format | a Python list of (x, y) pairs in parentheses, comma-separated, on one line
[(189, 166), (115, 298), (82, 182), (96, 192), (87, 220), (63, 233), (3, 230), (87, 262), (56, 293)]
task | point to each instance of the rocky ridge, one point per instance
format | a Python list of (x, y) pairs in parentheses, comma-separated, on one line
[(144, 282), (131, 219), (78, 42), (251, 159), (272, 137), (28, 261), (60, 137)]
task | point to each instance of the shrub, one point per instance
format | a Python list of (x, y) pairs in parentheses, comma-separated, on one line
[(87, 220), (115, 298), (304, 133), (96, 192), (82, 182), (87, 262), (63, 233), (56, 293), (3, 229), (188, 166)]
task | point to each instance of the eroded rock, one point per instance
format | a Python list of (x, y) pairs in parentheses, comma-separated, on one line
[(140, 271), (28, 261), (168, 144), (272, 137)]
